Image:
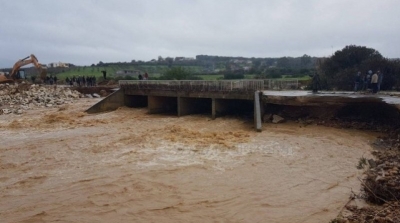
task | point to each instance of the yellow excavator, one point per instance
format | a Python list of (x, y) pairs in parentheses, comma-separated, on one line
[(16, 73)]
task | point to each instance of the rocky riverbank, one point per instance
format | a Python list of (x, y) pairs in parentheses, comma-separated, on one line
[(380, 185)]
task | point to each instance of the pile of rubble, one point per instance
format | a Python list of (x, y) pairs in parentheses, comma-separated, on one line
[(15, 98), (382, 183), (387, 213), (381, 187)]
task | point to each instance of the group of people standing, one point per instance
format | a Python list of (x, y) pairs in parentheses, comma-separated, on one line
[(81, 81), (50, 80), (370, 80), (144, 77)]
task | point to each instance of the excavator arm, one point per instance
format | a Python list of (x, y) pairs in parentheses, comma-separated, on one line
[(29, 60)]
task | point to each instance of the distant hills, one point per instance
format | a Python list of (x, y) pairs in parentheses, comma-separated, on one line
[(200, 65)]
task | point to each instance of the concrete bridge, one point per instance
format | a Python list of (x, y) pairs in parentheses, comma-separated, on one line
[(189, 97)]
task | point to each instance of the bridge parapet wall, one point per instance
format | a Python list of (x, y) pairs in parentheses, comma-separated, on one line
[(195, 85), (212, 85)]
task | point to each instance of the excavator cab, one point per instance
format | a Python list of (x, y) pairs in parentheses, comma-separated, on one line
[(20, 74)]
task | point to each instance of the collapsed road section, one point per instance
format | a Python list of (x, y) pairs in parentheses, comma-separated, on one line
[(383, 109)]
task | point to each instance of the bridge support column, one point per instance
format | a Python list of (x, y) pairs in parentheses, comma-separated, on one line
[(257, 112), (219, 106)]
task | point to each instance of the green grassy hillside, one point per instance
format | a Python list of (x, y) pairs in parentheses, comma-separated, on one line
[(152, 70)]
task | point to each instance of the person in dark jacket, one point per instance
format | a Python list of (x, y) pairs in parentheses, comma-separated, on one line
[(374, 83), (315, 83), (380, 78), (357, 81), (104, 74)]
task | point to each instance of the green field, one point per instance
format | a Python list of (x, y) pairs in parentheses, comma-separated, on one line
[(209, 77)]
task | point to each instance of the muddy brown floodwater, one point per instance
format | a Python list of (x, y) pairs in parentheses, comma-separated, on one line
[(61, 165)]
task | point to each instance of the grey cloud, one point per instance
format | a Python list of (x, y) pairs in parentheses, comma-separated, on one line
[(87, 31)]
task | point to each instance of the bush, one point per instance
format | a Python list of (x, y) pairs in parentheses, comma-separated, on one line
[(233, 76), (176, 73), (275, 75), (129, 77)]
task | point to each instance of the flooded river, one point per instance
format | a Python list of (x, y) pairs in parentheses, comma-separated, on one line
[(61, 165)]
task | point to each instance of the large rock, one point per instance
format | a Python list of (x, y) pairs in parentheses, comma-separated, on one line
[(6, 111), (277, 119), (103, 93)]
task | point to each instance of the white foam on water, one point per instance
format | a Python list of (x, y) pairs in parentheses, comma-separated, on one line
[(178, 154)]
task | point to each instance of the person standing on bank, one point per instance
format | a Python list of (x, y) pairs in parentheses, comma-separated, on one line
[(380, 78), (369, 78), (374, 83), (315, 83), (357, 81), (365, 82)]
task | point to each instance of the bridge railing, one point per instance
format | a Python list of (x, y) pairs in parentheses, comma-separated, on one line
[(195, 85)]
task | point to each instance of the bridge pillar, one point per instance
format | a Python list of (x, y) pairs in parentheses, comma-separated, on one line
[(257, 112), (219, 106), (158, 104)]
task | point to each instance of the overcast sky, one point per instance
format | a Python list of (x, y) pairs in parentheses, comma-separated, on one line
[(83, 32)]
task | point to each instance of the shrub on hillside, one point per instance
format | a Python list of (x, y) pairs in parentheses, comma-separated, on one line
[(178, 73), (233, 76)]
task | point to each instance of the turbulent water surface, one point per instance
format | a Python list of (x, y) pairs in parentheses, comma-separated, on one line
[(127, 166)]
